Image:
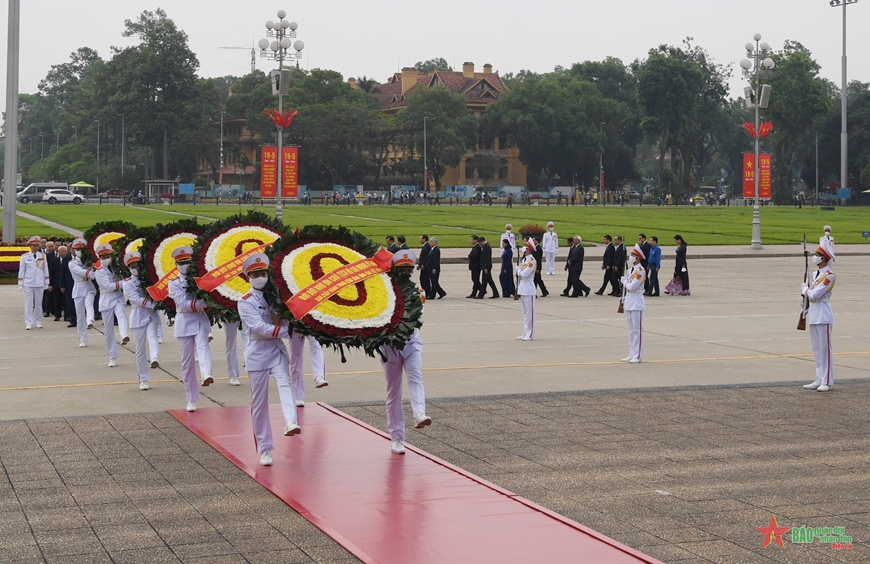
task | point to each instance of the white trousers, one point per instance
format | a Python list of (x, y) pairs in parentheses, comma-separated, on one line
[(260, 402), (158, 324), (551, 262), (231, 333), (528, 316), (84, 315), (413, 366), (33, 305), (297, 373), (109, 327), (820, 335), (188, 367), (635, 333), (203, 351), (145, 335)]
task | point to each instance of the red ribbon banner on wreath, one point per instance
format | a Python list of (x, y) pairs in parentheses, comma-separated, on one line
[(160, 290), (333, 282), (282, 120), (227, 271)]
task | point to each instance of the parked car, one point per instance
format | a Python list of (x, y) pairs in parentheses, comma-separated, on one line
[(56, 196), (115, 192), (34, 192)]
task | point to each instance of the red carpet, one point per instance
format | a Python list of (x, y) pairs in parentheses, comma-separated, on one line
[(340, 475)]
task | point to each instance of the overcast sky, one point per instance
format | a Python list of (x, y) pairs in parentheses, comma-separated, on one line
[(375, 38)]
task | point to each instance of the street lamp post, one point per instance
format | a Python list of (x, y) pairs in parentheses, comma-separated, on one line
[(751, 69), (98, 154), (601, 169), (283, 31), (123, 149), (425, 160), (844, 138), (221, 170), (41, 146)]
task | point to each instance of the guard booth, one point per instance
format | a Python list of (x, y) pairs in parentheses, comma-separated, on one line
[(154, 189)]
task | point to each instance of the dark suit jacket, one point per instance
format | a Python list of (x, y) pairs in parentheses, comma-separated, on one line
[(576, 256), (486, 257), (424, 254), (645, 248), (55, 271), (609, 255), (66, 275), (433, 260), (393, 248), (474, 257), (619, 259), (404, 246), (539, 256)]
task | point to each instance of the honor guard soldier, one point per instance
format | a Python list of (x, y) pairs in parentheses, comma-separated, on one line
[(826, 240), (33, 282), (265, 355), (551, 248), (143, 320), (409, 359), (509, 236), (634, 305), (820, 317), (111, 302), (83, 291), (527, 292), (191, 328)]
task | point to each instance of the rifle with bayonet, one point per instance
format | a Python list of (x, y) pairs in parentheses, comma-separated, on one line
[(805, 301)]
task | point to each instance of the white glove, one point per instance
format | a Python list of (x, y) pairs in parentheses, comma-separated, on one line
[(45, 288), (21, 289), (804, 287)]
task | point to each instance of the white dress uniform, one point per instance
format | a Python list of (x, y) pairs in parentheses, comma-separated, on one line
[(33, 281), (265, 355), (83, 297), (409, 359), (191, 326), (827, 241), (144, 325), (231, 340), (511, 238), (527, 292), (634, 306), (297, 369), (551, 248), (111, 306), (820, 318)]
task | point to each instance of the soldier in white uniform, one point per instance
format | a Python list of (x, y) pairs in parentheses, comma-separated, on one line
[(111, 302), (297, 369), (527, 291), (83, 292), (409, 359), (551, 248), (191, 326), (33, 281), (265, 355), (142, 322), (231, 334), (826, 240), (509, 236), (634, 305), (820, 318)]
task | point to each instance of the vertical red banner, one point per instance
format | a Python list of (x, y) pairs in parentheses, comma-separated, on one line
[(764, 180), (748, 175), (268, 172), (290, 172)]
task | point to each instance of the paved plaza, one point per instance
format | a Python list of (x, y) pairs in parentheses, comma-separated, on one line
[(682, 457)]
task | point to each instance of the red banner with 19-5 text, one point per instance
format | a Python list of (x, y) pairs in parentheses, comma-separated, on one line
[(269, 172)]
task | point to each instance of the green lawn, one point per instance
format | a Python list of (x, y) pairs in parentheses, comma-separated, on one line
[(28, 227), (453, 224)]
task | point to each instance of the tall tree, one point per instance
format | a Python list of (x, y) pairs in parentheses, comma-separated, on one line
[(451, 128), (799, 100)]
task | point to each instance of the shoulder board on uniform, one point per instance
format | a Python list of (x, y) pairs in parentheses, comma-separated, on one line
[(246, 296)]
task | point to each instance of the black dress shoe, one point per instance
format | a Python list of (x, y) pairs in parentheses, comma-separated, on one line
[(599, 293), (545, 295), (441, 296), (587, 292), (471, 296), (564, 294), (57, 318), (71, 324), (495, 297), (480, 297)]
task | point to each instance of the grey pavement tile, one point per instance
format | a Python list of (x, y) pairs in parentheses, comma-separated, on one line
[(188, 532), (128, 537), (97, 494), (68, 542), (188, 552), (162, 555), (101, 557), (112, 513), (167, 511), (219, 559), (55, 518), (292, 556), (16, 554), (327, 553)]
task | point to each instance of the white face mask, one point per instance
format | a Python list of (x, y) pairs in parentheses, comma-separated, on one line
[(105, 262), (551, 229), (259, 283), (77, 254), (817, 260), (183, 268), (134, 272)]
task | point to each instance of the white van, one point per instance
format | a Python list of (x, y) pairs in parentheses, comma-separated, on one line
[(35, 191)]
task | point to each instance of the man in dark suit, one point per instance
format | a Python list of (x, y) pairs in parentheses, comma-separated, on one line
[(538, 253), (486, 269), (67, 290), (48, 296), (55, 282), (645, 247), (474, 267), (574, 266), (433, 268), (618, 267), (421, 261), (391, 244), (607, 263), (402, 244)]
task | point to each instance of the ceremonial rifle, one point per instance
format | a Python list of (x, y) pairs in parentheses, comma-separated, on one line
[(805, 301), (621, 308)]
